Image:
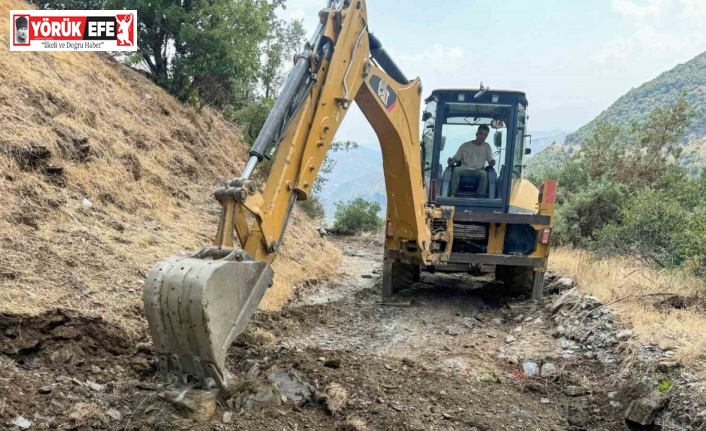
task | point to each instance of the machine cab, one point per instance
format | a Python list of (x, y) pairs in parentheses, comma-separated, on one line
[(454, 117)]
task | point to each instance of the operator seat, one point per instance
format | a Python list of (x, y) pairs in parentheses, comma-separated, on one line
[(468, 186)]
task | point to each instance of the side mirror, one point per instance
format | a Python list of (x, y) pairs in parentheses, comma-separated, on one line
[(528, 151), (498, 139), (530, 139)]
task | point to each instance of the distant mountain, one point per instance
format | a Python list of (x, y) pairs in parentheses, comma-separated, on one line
[(357, 173), (547, 133), (542, 140), (690, 78)]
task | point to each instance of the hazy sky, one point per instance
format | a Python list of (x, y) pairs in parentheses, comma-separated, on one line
[(573, 58)]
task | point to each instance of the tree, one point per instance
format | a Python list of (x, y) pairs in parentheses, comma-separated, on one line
[(69, 4), (357, 216), (280, 49), (284, 42), (204, 51), (624, 193)]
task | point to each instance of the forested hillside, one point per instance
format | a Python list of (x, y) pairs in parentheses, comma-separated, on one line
[(688, 78), (621, 193)]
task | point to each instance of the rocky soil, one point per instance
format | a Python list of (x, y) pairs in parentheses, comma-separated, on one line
[(457, 353)]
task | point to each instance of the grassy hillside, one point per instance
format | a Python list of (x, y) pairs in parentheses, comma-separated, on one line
[(690, 78), (102, 174)]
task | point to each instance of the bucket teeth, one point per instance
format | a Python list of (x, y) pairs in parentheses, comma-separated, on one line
[(196, 307)]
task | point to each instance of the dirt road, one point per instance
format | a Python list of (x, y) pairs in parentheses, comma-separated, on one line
[(463, 356)]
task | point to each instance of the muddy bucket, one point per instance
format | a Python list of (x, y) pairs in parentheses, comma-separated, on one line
[(195, 308)]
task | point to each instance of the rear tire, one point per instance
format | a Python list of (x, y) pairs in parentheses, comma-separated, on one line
[(397, 276), (515, 278), (403, 276), (416, 273)]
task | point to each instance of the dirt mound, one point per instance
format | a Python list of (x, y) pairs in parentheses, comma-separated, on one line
[(34, 341), (102, 174), (63, 367)]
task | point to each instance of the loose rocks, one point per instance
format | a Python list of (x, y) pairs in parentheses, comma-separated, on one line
[(530, 368), (292, 385), (194, 404), (567, 299), (644, 410), (574, 391), (549, 370), (255, 394), (624, 335), (332, 363)]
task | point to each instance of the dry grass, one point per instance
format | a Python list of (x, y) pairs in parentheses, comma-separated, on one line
[(260, 337), (300, 262), (336, 398), (635, 291), (84, 412), (149, 173), (353, 423)]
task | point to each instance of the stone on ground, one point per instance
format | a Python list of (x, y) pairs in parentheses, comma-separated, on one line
[(194, 404)]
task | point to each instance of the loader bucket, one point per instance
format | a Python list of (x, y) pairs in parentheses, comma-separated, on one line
[(196, 307)]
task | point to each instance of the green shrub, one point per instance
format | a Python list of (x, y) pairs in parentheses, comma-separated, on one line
[(651, 222), (665, 225), (357, 216), (691, 244), (623, 193), (580, 219)]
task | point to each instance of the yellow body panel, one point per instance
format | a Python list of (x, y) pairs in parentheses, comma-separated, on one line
[(524, 196), (398, 132)]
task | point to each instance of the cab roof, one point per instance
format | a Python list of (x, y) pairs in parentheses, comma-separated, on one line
[(471, 90), (505, 95)]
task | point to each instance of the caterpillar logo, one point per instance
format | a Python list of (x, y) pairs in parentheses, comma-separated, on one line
[(387, 95), (382, 92)]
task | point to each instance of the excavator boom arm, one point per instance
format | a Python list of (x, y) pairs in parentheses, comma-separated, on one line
[(340, 70), (196, 306)]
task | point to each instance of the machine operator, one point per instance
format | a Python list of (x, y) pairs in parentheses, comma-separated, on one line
[(472, 156)]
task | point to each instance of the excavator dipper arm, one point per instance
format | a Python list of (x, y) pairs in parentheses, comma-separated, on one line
[(197, 305)]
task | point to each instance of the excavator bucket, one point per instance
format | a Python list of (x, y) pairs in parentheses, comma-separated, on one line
[(196, 307)]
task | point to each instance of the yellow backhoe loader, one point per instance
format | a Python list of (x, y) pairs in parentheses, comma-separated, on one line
[(436, 221)]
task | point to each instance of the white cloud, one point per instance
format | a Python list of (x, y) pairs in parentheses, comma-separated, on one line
[(617, 49), (638, 9), (302, 9), (439, 66), (656, 29)]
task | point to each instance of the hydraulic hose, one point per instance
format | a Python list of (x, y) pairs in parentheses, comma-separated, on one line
[(385, 61)]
